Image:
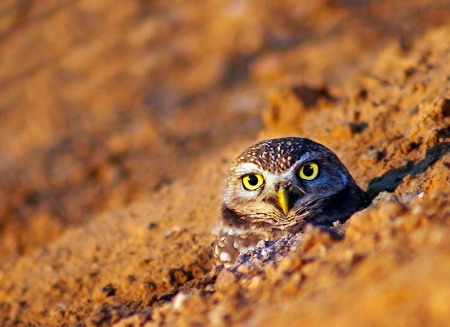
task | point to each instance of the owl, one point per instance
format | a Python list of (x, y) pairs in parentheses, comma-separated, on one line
[(276, 187)]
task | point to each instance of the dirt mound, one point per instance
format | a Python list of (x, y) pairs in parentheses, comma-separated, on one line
[(155, 129)]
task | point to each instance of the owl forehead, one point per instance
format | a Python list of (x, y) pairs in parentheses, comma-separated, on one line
[(277, 155)]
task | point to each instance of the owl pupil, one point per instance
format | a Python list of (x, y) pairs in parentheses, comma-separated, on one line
[(252, 180), (308, 170)]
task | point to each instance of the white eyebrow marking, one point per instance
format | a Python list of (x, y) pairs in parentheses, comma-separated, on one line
[(247, 168)]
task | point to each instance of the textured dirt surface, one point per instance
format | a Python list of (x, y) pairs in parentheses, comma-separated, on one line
[(118, 122)]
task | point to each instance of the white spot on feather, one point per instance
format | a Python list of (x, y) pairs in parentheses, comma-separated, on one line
[(224, 257)]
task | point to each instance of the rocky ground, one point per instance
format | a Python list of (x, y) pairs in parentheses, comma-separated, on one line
[(117, 124)]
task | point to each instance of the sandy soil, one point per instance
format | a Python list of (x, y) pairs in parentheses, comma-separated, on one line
[(118, 122)]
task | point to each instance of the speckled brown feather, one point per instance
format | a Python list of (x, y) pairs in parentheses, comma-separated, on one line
[(278, 155)]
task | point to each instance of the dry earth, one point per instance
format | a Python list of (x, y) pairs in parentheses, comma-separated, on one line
[(118, 121)]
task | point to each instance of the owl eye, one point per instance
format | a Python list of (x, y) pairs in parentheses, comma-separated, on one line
[(252, 182), (309, 171)]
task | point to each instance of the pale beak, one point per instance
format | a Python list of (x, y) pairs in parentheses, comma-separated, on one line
[(283, 199)]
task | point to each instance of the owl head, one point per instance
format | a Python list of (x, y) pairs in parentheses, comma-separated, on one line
[(279, 185)]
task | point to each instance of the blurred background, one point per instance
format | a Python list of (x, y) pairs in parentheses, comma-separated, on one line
[(103, 102)]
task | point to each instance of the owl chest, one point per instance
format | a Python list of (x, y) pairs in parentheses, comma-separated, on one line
[(231, 242)]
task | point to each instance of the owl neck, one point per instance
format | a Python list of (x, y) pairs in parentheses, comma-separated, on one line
[(340, 206), (232, 219)]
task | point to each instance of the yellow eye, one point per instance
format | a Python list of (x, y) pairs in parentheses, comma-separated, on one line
[(252, 182), (309, 171)]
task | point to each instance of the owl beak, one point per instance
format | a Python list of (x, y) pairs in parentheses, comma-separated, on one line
[(283, 199)]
